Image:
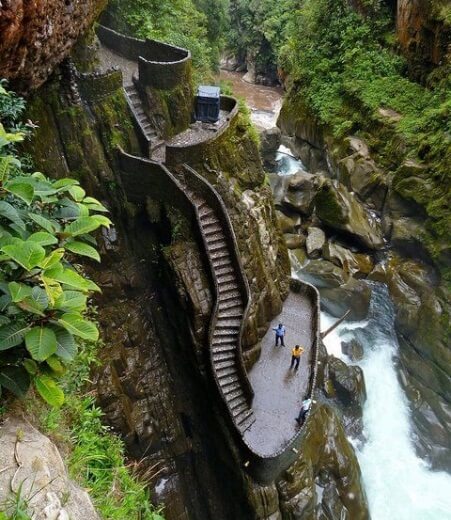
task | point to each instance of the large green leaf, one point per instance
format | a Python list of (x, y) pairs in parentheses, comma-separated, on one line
[(43, 238), (9, 212), (72, 279), (71, 301), (65, 183), (77, 193), (82, 225), (36, 303), (49, 225), (40, 343), (15, 379), (12, 335), (55, 364), (49, 390), (18, 291), (78, 326), (52, 259), (5, 165), (27, 254), (80, 248), (66, 346), (21, 189)]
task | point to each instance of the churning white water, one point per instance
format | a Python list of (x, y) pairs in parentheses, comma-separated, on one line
[(399, 485), (287, 164)]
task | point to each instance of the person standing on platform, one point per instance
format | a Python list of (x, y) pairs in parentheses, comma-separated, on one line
[(280, 334), (296, 356)]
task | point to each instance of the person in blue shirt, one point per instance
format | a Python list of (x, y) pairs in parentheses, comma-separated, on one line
[(280, 333)]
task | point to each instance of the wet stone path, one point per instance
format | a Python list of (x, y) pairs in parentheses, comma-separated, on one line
[(279, 391)]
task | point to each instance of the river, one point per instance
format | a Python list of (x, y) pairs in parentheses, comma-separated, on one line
[(399, 484)]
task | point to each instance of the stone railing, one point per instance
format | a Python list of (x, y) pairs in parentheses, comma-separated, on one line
[(266, 469), (205, 190), (185, 153), (160, 65), (98, 85)]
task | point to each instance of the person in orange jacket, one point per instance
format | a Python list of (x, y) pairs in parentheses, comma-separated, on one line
[(296, 356)]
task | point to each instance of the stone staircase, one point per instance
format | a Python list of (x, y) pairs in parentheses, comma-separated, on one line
[(225, 333), (144, 123)]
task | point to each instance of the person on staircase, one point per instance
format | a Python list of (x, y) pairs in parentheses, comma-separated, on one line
[(280, 334), (296, 356)]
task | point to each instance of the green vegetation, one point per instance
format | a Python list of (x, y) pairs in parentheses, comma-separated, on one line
[(196, 25), (48, 335), (44, 226)]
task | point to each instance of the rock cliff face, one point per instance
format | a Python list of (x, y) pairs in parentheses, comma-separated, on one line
[(403, 260), (422, 33), (36, 36)]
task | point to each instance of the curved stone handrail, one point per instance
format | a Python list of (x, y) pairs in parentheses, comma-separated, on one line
[(97, 85), (206, 190), (160, 65)]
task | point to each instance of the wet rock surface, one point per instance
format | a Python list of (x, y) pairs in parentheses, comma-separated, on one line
[(37, 36)]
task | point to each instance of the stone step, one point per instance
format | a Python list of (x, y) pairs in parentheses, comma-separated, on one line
[(205, 221), (225, 271), (216, 243), (225, 364), (218, 349), (219, 263), (230, 304), (227, 375), (230, 386), (215, 227), (231, 313), (233, 394), (222, 253), (223, 340), (227, 322), (205, 211), (225, 331), (225, 279), (223, 356), (225, 287), (239, 405), (230, 294), (245, 420)]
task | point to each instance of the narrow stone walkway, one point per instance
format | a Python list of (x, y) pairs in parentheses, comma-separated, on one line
[(109, 59), (279, 391)]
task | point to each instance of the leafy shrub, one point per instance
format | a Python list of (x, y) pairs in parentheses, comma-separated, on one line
[(44, 226)]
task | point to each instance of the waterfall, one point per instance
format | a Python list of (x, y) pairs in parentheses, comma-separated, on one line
[(399, 484)]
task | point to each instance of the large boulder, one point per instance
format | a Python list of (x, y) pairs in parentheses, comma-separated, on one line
[(32, 466), (356, 264), (302, 188), (340, 210), (323, 274), (353, 349), (315, 241), (270, 141), (354, 295)]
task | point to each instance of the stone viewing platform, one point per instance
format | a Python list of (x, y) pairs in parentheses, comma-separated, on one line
[(279, 390)]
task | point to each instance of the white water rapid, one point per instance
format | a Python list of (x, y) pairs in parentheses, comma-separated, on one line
[(399, 485)]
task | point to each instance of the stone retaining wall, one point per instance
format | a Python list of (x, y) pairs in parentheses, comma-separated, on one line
[(97, 85), (180, 154), (160, 65)]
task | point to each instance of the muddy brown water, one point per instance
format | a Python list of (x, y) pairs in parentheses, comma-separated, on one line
[(264, 102)]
